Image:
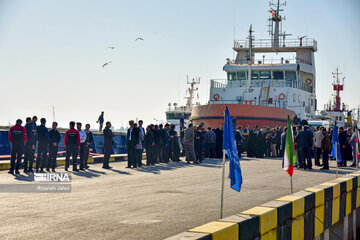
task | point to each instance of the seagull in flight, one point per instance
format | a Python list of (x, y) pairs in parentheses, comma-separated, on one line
[(106, 64), (111, 47), (139, 38)]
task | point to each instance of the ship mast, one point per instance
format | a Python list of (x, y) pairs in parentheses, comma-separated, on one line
[(191, 90), (249, 58), (275, 31), (337, 88)]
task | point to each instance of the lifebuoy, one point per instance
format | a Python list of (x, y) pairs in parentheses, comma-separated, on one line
[(216, 96), (308, 81), (281, 96)]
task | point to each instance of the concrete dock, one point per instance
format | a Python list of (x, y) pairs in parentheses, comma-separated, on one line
[(152, 202)]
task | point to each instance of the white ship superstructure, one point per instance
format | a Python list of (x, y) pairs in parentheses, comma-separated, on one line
[(283, 82)]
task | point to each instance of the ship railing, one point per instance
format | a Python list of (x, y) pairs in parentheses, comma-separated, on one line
[(218, 83), (268, 103), (267, 61), (224, 83), (268, 43)]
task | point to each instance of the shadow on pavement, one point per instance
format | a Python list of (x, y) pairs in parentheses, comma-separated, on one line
[(24, 178)]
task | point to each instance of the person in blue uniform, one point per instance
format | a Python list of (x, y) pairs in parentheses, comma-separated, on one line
[(43, 141), (54, 139), (30, 146)]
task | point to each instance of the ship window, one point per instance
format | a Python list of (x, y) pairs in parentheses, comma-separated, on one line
[(231, 76), (265, 75), (254, 75), (294, 97), (290, 75), (299, 98), (241, 75), (340, 118), (278, 75)]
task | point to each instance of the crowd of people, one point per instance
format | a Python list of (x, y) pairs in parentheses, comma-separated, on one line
[(25, 139), (162, 144)]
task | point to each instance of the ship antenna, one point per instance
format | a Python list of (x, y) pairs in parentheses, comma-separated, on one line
[(276, 31), (250, 55), (191, 90)]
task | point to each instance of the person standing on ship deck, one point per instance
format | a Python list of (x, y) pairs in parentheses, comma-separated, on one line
[(101, 121)]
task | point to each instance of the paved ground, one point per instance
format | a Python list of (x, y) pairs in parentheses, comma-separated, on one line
[(148, 203)]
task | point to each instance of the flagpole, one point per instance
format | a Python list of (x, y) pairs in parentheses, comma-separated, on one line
[(222, 186), (336, 153), (356, 147), (291, 183)]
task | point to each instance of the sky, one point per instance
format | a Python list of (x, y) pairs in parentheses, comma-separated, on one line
[(51, 53)]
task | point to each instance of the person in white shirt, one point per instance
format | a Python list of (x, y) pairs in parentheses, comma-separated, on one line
[(318, 136), (82, 145)]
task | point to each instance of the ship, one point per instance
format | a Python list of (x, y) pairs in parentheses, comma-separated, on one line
[(260, 90), (175, 112), (335, 110)]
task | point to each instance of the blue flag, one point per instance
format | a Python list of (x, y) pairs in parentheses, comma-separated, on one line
[(229, 145), (335, 139)]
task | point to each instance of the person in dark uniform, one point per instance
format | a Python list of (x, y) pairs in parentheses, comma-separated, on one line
[(239, 141), (345, 147), (43, 141), (89, 140), (166, 146), (108, 144), (219, 143), (130, 146), (17, 139), (30, 146), (174, 144), (142, 130), (326, 148), (157, 135), (149, 145), (307, 147), (251, 144), (198, 145), (72, 143), (300, 142), (54, 139), (259, 143), (162, 143)]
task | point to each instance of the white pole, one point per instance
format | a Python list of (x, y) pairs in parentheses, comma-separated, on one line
[(336, 153), (222, 186)]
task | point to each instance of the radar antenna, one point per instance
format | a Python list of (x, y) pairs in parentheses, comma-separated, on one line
[(275, 23)]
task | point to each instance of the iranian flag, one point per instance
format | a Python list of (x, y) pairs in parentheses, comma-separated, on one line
[(289, 154)]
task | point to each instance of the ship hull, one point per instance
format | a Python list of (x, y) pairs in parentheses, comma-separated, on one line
[(212, 115)]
